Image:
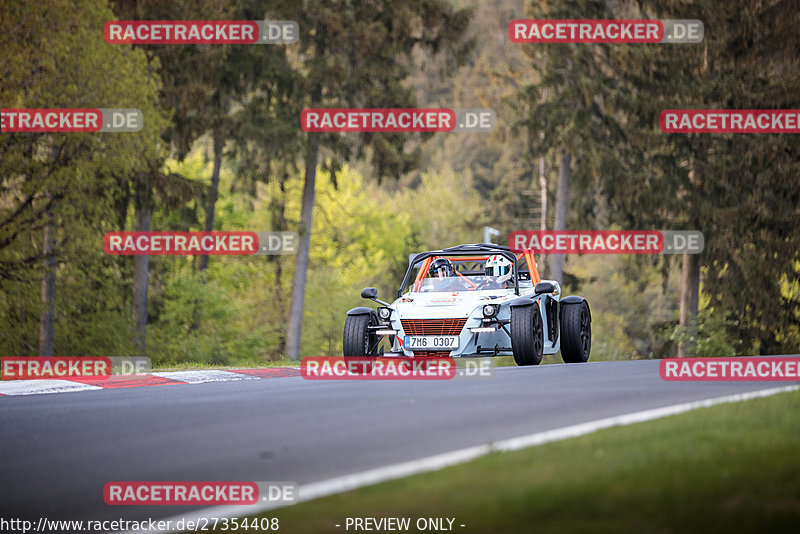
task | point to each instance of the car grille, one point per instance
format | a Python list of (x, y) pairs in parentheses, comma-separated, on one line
[(433, 327), (431, 354)]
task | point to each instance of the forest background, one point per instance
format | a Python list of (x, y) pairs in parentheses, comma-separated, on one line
[(576, 146)]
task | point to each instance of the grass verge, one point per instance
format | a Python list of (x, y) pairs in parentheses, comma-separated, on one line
[(250, 363), (239, 363), (729, 468)]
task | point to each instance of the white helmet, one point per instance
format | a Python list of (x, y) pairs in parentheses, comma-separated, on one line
[(499, 268)]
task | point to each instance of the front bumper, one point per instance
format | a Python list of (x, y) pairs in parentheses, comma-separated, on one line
[(483, 342)]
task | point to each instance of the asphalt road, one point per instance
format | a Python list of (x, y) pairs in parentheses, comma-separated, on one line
[(59, 450)]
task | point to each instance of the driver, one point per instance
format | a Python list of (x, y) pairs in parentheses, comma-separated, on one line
[(499, 272), (441, 268), (444, 276)]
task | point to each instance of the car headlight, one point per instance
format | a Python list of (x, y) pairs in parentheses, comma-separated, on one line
[(384, 313), (490, 310)]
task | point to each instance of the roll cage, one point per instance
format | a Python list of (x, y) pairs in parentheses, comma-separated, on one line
[(471, 252)]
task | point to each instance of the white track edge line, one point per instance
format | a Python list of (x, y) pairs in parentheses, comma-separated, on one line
[(68, 386), (340, 484), (22, 388)]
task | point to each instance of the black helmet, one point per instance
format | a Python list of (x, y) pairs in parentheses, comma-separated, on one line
[(441, 268)]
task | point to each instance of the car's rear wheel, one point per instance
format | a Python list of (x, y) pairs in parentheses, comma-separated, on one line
[(527, 336), (358, 342), (576, 332)]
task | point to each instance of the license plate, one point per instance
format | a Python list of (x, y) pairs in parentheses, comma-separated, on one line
[(431, 342)]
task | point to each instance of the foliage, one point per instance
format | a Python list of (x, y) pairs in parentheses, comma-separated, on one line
[(55, 57), (740, 190), (242, 103), (362, 236)]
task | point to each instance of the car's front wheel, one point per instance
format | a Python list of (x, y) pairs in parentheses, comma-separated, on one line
[(358, 341), (576, 332), (527, 335)]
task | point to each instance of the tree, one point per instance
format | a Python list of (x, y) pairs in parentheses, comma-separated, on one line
[(212, 90), (194, 91), (53, 183), (562, 204), (565, 117), (497, 163), (352, 58), (739, 189)]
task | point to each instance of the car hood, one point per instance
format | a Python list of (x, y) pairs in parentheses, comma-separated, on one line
[(447, 304)]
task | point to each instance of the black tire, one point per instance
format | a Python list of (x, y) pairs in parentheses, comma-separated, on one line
[(576, 332), (357, 341), (527, 335)]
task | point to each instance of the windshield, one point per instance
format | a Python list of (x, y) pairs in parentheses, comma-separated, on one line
[(462, 283), (467, 274)]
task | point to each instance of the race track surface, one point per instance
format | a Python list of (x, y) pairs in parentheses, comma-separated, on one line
[(59, 450)]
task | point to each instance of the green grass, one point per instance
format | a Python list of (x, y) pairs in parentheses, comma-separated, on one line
[(238, 363), (730, 468), (256, 362)]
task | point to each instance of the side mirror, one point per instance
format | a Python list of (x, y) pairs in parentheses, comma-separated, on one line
[(541, 287), (369, 293)]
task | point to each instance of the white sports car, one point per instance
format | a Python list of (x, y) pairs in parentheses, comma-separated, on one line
[(472, 300)]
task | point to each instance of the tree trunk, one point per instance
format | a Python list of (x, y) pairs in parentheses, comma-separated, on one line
[(141, 264), (208, 223), (278, 211), (47, 321), (303, 249), (690, 285), (122, 201), (562, 202), (543, 216), (690, 290), (543, 190)]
